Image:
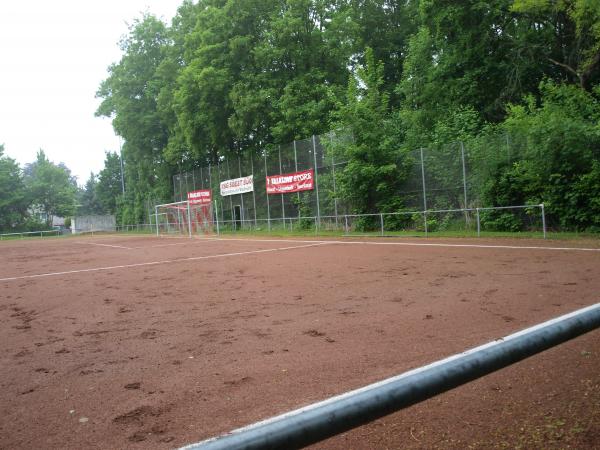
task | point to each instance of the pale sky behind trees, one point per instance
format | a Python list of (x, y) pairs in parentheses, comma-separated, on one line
[(53, 56)]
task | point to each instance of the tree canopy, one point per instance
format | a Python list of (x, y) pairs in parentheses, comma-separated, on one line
[(31, 196), (228, 77), (13, 197), (50, 187)]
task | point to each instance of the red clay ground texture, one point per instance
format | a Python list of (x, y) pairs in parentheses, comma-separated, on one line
[(228, 332)]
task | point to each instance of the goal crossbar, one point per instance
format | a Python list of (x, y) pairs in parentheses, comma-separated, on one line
[(184, 217)]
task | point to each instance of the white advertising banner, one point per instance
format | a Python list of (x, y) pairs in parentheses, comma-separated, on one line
[(237, 185)]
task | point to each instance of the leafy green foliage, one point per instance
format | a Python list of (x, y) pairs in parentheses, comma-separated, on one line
[(89, 203), (50, 187), (13, 198), (571, 36), (372, 174), (109, 187), (230, 77), (559, 163), (130, 97)]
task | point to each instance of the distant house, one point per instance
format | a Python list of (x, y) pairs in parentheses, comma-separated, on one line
[(41, 216), (93, 223), (58, 221)]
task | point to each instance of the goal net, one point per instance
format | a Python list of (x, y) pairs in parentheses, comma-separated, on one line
[(184, 218)]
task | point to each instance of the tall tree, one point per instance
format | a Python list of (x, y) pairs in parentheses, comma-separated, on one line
[(559, 164), (217, 55), (307, 65), (385, 26), (13, 200), (89, 203), (109, 186), (130, 97), (374, 171), (470, 55), (566, 37), (50, 187)]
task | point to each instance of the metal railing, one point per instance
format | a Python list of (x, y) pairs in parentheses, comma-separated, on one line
[(25, 234), (467, 220), (137, 228), (313, 423)]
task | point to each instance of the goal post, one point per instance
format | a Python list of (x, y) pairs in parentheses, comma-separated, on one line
[(172, 218), (190, 217)]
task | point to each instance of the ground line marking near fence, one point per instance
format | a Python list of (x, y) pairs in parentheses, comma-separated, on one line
[(155, 263), (410, 244), (415, 244), (104, 245), (516, 247)]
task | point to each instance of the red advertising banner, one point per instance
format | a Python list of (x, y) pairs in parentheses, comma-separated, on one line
[(200, 197), (291, 182)]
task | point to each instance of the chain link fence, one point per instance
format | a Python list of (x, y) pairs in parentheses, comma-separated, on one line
[(442, 192)]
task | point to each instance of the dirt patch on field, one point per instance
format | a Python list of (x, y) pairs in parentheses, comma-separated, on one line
[(157, 343)]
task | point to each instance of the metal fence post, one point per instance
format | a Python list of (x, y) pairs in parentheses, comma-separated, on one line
[(230, 199), (478, 223), (189, 213), (253, 190), (462, 152), (543, 220), (423, 180), (241, 195), (316, 181), (335, 206), (156, 216), (217, 218), (267, 194), (346, 220), (282, 200), (464, 170), (296, 168), (381, 220), (219, 182), (424, 192)]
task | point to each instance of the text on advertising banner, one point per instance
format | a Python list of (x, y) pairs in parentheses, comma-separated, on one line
[(200, 197), (290, 182), (237, 186)]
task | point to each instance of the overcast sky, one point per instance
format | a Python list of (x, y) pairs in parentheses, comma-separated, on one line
[(53, 56)]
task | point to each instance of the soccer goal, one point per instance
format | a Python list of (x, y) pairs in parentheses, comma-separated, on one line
[(184, 218)]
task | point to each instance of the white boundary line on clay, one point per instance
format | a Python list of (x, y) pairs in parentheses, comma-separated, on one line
[(513, 247), (104, 245), (415, 244), (408, 244), (155, 263)]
